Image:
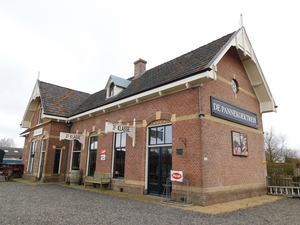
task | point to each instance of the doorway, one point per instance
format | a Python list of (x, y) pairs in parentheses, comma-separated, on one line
[(160, 164), (41, 166)]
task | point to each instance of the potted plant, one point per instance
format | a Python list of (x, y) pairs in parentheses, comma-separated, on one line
[(9, 174)]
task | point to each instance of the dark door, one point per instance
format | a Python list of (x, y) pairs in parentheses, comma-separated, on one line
[(41, 166), (160, 164)]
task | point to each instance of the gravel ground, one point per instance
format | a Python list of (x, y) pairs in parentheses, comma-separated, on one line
[(55, 204)]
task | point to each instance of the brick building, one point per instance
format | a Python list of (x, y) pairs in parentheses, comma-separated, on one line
[(196, 119)]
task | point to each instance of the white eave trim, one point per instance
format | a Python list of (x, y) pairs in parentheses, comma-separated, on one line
[(207, 75)]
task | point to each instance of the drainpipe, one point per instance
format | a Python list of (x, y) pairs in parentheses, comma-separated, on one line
[(69, 125), (203, 156)]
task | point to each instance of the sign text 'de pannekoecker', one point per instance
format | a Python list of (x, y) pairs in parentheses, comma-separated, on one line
[(229, 112)]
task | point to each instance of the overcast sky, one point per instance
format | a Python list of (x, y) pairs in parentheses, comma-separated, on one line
[(78, 44)]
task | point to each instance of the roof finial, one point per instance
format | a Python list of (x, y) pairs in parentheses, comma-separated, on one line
[(39, 75), (241, 20)]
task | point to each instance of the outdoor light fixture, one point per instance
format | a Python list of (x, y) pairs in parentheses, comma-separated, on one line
[(201, 115), (69, 124)]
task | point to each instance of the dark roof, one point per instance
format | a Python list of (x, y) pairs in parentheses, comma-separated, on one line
[(12, 152), (66, 102), (60, 101)]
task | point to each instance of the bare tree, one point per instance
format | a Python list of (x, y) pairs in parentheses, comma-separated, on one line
[(276, 147), (7, 142), (290, 155)]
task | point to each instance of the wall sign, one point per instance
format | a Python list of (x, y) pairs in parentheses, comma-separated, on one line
[(177, 175), (38, 132), (239, 144), (120, 128), (235, 114), (72, 137), (103, 154)]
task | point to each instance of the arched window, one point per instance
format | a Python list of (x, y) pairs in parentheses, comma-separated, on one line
[(75, 162), (31, 156), (93, 146), (119, 155), (111, 89)]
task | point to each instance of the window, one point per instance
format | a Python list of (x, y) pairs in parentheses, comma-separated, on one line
[(40, 120), (92, 155), (42, 157), (32, 151), (57, 159), (119, 155), (76, 155), (111, 89), (160, 135), (44, 145)]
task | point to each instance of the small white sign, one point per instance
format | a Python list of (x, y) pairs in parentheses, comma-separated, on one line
[(177, 175), (120, 128), (70, 136), (103, 154), (38, 132)]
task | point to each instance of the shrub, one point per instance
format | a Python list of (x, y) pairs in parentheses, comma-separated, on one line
[(280, 169)]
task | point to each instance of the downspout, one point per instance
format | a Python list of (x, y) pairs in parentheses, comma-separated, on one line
[(202, 160), (69, 125)]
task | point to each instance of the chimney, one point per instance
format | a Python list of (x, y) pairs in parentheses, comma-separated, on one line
[(139, 67)]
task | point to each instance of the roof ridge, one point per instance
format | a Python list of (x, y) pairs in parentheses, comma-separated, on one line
[(63, 87)]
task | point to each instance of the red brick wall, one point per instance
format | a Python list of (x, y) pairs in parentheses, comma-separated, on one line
[(222, 168), (208, 137)]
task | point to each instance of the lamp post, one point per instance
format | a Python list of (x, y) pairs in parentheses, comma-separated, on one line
[(69, 125)]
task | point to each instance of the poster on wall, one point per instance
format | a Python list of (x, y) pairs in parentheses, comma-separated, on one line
[(103, 154), (239, 144)]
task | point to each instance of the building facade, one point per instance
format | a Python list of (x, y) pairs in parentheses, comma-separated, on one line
[(194, 122)]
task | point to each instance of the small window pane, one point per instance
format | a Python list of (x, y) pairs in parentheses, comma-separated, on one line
[(152, 136), (76, 145), (168, 134), (123, 140), (111, 89), (118, 140), (94, 143), (160, 135)]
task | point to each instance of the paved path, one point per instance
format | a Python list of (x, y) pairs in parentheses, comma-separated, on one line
[(35, 203)]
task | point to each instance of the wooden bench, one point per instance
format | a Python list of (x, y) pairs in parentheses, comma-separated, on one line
[(98, 178)]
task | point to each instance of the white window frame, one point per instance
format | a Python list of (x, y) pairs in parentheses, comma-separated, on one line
[(32, 149)]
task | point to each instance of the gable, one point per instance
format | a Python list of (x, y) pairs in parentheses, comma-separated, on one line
[(32, 106), (57, 102), (241, 42)]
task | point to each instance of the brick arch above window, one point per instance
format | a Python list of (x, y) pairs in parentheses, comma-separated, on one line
[(91, 133), (158, 122), (164, 117)]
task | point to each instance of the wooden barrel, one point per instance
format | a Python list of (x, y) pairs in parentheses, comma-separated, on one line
[(75, 177)]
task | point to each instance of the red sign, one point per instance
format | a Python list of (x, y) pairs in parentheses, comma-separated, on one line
[(103, 154), (177, 175)]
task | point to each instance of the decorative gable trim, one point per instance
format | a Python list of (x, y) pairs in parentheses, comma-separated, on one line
[(31, 106), (248, 58)]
